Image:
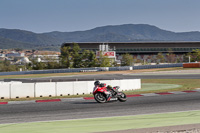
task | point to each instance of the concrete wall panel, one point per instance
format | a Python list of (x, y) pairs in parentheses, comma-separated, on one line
[(124, 85), (4, 90), (115, 83), (90, 86), (80, 88), (45, 89), (22, 90), (65, 88)]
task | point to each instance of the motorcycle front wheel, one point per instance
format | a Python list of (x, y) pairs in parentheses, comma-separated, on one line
[(100, 97), (122, 97)]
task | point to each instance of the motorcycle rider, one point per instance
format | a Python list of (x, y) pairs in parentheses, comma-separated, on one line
[(96, 85), (109, 87)]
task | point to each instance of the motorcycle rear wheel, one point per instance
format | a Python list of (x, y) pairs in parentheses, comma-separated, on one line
[(122, 97), (100, 97)]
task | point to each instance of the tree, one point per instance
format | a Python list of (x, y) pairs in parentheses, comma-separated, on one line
[(127, 60), (65, 57), (18, 49), (104, 61), (72, 57), (38, 65), (179, 59), (6, 66), (195, 55), (171, 58), (88, 59), (52, 63), (161, 58), (76, 58), (92, 59), (85, 59)]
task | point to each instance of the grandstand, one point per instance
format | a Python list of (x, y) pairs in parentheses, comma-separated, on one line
[(144, 51), (142, 47)]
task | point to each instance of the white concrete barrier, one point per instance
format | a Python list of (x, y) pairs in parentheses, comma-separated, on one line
[(49, 89), (115, 83), (133, 84), (80, 88), (124, 85), (137, 84), (45, 89), (4, 90), (90, 86), (65, 88), (22, 90)]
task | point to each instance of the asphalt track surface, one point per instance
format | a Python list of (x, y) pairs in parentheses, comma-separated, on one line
[(78, 109), (110, 77)]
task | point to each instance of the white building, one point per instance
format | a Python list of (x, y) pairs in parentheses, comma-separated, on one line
[(46, 58), (2, 55)]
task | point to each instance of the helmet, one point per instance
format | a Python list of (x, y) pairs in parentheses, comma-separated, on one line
[(97, 83), (109, 87)]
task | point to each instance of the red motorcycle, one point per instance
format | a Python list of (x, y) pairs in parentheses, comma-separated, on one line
[(104, 94)]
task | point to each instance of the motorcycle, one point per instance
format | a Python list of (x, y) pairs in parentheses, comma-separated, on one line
[(103, 94)]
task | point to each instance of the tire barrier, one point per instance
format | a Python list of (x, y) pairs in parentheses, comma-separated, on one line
[(10, 90)]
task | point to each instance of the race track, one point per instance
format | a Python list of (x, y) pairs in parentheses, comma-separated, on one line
[(79, 108), (110, 77), (76, 109)]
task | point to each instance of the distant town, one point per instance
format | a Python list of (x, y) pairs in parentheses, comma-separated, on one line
[(17, 57)]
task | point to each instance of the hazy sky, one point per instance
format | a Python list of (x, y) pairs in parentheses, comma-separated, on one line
[(75, 15)]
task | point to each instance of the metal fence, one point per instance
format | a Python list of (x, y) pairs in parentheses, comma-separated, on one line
[(92, 69)]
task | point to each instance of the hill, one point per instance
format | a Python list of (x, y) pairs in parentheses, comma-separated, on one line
[(8, 43), (12, 38)]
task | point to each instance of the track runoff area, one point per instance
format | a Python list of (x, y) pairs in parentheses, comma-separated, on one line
[(105, 124)]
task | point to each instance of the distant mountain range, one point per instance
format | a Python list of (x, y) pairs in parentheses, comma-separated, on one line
[(14, 38)]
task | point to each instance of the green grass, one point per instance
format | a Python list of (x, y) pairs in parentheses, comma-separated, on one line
[(166, 85), (186, 83), (183, 84), (105, 124), (150, 87)]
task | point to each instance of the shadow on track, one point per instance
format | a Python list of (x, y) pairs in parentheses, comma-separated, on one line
[(94, 102), (85, 102)]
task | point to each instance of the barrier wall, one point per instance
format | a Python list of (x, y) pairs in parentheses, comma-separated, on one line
[(21, 90), (191, 65), (50, 89), (80, 88), (46, 89), (4, 90), (65, 88)]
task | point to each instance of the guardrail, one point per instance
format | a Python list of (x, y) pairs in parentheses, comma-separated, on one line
[(11, 90), (158, 66), (92, 69)]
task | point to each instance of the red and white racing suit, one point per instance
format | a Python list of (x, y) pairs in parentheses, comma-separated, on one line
[(95, 87)]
